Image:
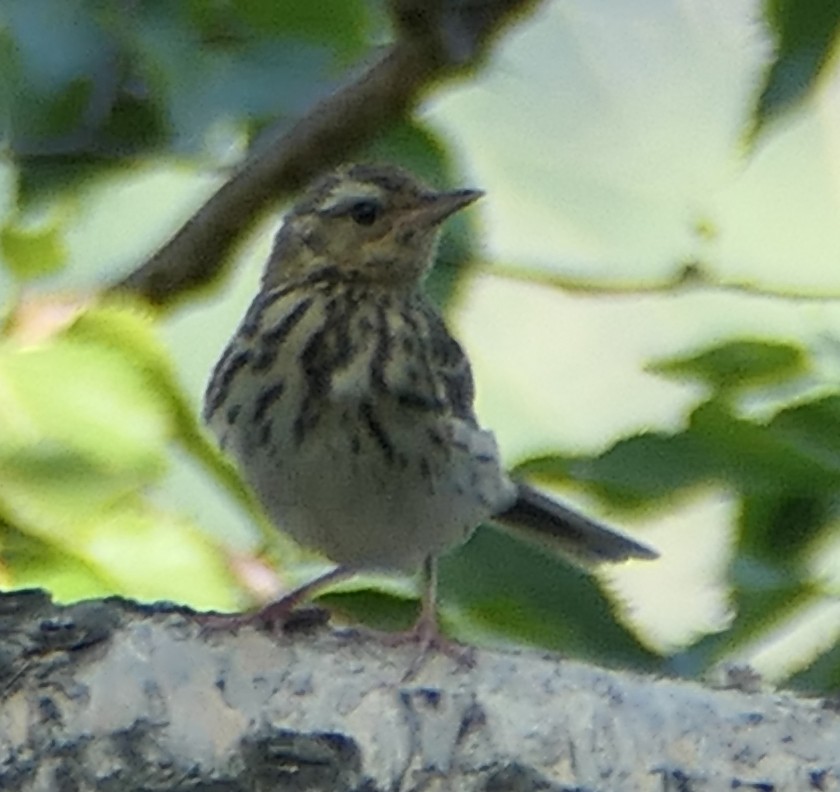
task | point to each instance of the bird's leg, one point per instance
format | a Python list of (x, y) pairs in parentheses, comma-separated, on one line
[(282, 613), (426, 630)]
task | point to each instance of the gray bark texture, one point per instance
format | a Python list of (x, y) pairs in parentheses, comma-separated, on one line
[(111, 695)]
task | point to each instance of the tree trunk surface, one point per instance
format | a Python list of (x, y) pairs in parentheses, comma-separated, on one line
[(111, 695)]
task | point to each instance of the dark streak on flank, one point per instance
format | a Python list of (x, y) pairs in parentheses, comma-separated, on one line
[(223, 376), (418, 401), (328, 349), (266, 398), (450, 364), (264, 437), (382, 351), (272, 339), (435, 437), (425, 373), (232, 414), (253, 319), (316, 379), (377, 431), (342, 337)]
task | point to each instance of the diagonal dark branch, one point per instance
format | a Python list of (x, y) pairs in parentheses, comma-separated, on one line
[(437, 40)]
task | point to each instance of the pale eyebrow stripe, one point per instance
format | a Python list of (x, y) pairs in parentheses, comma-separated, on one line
[(342, 193)]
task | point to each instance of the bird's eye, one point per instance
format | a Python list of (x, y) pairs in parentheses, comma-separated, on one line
[(365, 212)]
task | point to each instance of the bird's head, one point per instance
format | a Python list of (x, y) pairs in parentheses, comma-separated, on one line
[(364, 223)]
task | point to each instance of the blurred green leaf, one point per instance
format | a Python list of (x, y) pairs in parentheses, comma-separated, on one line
[(105, 82), (30, 561), (737, 364), (80, 396), (805, 33), (125, 547), (48, 490), (60, 68), (757, 459), (635, 471), (814, 429), (373, 607), (127, 329), (86, 420), (498, 587), (821, 676), (31, 253), (179, 562), (785, 470), (777, 528), (762, 598), (343, 24)]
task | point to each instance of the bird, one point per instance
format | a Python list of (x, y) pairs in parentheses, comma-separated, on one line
[(348, 406)]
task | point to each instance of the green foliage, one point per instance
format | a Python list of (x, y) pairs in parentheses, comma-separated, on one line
[(805, 32), (94, 417), (104, 82), (30, 253), (785, 471), (86, 421), (737, 364)]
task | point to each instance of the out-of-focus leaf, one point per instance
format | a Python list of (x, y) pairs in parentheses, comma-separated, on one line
[(757, 459), (135, 123), (154, 555), (203, 86), (805, 33), (128, 331), (786, 471), (634, 471), (30, 253), (379, 609), (30, 561), (49, 490), (85, 398), (821, 676), (86, 419), (496, 587), (738, 364), (55, 174), (107, 81), (61, 67), (813, 428), (777, 528), (341, 23), (125, 547), (763, 596)]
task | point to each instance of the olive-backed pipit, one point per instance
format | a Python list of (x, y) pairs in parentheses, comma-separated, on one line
[(348, 406)]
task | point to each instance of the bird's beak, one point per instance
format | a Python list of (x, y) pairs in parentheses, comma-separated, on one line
[(436, 207)]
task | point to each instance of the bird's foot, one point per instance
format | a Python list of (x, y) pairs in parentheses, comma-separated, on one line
[(280, 616), (428, 638)]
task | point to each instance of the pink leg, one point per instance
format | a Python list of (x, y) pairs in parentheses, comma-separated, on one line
[(426, 631), (282, 612)]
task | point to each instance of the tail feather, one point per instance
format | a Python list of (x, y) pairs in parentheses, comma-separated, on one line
[(582, 539)]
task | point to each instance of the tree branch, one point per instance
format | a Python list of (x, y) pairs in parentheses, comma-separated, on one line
[(113, 695), (437, 39)]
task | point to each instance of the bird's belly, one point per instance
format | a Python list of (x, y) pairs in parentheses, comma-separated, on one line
[(377, 494)]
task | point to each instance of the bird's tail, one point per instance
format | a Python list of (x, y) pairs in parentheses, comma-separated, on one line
[(576, 536)]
